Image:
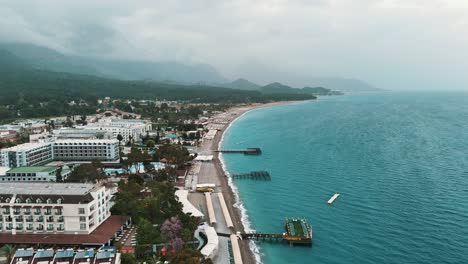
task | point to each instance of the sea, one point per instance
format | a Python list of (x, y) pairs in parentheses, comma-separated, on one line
[(398, 159)]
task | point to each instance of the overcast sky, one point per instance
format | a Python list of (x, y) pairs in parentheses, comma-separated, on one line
[(393, 44)]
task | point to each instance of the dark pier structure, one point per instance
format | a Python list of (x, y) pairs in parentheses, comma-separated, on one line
[(297, 232), (247, 151), (254, 175)]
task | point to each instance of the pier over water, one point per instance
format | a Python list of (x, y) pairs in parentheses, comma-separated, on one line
[(247, 151)]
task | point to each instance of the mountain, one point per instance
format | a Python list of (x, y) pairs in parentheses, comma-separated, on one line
[(43, 58), (243, 84), (343, 84), (8, 62), (279, 88)]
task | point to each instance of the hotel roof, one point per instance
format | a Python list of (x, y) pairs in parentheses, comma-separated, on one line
[(46, 188), (100, 236), (27, 146), (31, 169)]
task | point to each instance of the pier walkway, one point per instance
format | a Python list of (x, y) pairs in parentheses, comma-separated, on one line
[(248, 151), (254, 175)]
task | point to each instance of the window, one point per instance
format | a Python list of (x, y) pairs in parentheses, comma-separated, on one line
[(81, 211), (82, 219), (82, 226)]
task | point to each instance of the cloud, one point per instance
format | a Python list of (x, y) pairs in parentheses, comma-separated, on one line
[(395, 44)]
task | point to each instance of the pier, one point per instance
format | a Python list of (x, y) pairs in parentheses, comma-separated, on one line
[(254, 175), (247, 151), (297, 232)]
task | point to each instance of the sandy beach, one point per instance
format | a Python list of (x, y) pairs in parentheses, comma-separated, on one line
[(213, 173)]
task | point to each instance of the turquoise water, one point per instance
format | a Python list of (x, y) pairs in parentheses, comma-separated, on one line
[(399, 160)]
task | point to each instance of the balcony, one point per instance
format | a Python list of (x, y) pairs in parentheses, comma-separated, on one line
[(60, 229), (27, 212), (8, 219), (29, 228), (40, 228), (29, 219), (50, 229), (58, 212), (48, 212), (6, 211), (40, 219), (60, 220), (37, 212), (50, 219), (19, 219), (17, 212)]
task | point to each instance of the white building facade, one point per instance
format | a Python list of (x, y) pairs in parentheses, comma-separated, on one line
[(28, 154), (127, 128), (86, 150), (79, 150), (70, 208)]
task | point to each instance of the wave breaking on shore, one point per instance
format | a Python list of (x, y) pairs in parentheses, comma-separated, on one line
[(238, 203)]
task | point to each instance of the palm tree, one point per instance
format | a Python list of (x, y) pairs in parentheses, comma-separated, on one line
[(8, 251)]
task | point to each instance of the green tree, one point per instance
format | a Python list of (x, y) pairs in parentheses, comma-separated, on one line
[(87, 173), (119, 138), (150, 143), (8, 251), (128, 258)]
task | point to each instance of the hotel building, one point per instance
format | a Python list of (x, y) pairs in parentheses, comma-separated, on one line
[(28, 154), (79, 150), (69, 208), (125, 127)]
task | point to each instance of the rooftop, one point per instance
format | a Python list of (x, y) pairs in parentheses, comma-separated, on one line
[(46, 188), (86, 141), (31, 169), (27, 146), (100, 236)]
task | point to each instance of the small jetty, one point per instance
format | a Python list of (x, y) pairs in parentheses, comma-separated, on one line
[(333, 198), (297, 232), (253, 175), (247, 151)]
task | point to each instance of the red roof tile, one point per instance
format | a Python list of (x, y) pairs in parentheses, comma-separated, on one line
[(98, 237)]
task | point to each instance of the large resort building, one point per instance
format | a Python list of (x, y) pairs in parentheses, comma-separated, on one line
[(57, 213), (28, 154), (127, 128), (53, 207), (79, 150)]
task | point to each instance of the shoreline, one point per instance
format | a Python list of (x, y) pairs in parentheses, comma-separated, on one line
[(232, 195)]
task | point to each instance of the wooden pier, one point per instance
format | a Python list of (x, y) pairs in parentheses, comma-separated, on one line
[(254, 175), (247, 151), (297, 232)]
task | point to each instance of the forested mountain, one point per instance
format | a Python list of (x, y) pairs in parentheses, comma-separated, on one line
[(47, 59), (26, 91), (279, 88), (243, 84)]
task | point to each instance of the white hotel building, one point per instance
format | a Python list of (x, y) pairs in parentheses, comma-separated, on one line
[(79, 150), (68, 208), (127, 128)]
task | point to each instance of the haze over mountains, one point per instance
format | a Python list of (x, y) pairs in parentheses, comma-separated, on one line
[(44, 58)]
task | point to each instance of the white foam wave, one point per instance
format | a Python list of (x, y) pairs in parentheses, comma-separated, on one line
[(238, 203)]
